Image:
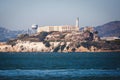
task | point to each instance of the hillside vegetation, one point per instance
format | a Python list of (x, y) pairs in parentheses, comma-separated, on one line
[(109, 29)]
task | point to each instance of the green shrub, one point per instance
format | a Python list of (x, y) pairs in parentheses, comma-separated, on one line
[(11, 42), (47, 44), (23, 36), (56, 49), (42, 36)]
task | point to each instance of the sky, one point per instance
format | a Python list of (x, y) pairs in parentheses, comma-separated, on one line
[(21, 14)]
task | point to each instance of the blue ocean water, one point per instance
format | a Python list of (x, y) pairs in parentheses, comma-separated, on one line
[(60, 66)]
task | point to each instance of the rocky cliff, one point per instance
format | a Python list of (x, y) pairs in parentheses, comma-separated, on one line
[(27, 46)]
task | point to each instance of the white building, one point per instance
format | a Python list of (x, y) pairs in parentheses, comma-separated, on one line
[(59, 28), (109, 38)]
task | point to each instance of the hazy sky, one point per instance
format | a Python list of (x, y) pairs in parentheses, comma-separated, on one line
[(21, 14)]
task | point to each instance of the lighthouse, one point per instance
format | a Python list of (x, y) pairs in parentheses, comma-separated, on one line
[(77, 22)]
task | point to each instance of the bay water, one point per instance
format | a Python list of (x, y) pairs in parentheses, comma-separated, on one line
[(60, 66)]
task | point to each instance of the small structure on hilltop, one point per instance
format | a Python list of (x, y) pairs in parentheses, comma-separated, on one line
[(88, 28), (34, 28)]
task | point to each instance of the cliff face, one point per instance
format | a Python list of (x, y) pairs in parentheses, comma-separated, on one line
[(109, 29), (27, 46)]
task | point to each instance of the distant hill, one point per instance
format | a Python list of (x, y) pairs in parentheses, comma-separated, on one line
[(6, 34), (109, 29)]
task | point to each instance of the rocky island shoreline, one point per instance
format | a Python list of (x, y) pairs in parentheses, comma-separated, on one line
[(86, 40)]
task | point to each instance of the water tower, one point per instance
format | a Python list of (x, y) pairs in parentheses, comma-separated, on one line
[(34, 28)]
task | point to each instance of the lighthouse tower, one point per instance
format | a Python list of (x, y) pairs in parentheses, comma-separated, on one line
[(77, 22)]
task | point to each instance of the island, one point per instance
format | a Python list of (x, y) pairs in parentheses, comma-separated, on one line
[(61, 39)]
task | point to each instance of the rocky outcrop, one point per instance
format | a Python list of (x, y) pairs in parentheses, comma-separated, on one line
[(27, 46), (6, 48), (82, 49)]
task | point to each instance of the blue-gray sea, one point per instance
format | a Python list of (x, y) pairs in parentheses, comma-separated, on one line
[(60, 66)]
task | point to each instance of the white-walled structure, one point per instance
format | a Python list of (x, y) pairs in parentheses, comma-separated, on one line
[(59, 28)]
